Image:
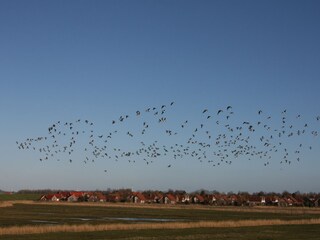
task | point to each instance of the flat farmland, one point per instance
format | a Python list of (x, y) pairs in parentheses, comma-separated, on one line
[(32, 220), (15, 196)]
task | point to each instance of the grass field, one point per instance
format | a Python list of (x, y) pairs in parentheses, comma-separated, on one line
[(116, 221), (19, 196)]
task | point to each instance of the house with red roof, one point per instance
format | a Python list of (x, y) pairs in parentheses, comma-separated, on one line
[(198, 199), (183, 198), (169, 198), (273, 201), (153, 197), (235, 200), (255, 200), (137, 197), (75, 196), (96, 197), (52, 197), (113, 197)]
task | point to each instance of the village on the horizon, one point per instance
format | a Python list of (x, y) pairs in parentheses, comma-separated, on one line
[(172, 197)]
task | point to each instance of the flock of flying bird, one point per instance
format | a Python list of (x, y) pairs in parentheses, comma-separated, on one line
[(219, 138)]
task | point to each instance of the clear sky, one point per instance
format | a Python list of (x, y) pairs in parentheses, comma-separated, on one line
[(99, 60)]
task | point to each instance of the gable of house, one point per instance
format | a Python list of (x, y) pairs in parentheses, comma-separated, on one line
[(138, 197), (169, 199)]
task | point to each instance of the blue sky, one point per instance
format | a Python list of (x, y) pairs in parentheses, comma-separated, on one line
[(98, 60)]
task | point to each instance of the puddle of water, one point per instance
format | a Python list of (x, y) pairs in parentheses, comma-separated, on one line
[(84, 219), (43, 221), (144, 219), (114, 218)]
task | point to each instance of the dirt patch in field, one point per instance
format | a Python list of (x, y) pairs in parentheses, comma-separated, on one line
[(6, 204)]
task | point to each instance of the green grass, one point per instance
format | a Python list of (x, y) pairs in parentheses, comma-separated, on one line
[(295, 232), (18, 196)]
